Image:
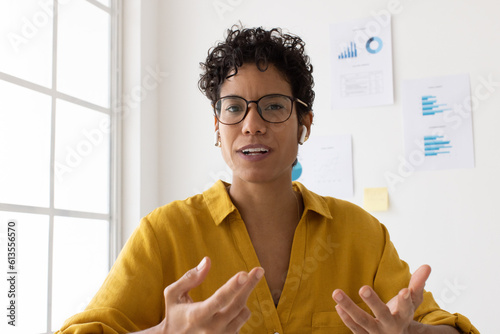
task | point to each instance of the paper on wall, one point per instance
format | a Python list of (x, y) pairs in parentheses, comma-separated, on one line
[(376, 199), (325, 165), (361, 56), (438, 123)]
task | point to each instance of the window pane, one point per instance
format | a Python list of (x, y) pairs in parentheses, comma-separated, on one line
[(31, 266), (26, 43), (24, 146), (81, 170), (83, 52), (81, 254)]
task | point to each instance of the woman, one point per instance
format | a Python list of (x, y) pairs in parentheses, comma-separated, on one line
[(275, 257)]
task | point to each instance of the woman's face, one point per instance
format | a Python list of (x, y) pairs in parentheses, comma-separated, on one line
[(277, 142)]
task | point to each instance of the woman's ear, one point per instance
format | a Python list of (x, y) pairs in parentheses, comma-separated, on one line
[(216, 133), (303, 135), (305, 129), (216, 124), (216, 138)]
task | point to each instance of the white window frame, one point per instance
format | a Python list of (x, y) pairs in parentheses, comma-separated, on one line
[(115, 12)]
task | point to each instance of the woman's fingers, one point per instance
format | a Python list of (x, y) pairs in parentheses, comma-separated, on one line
[(417, 284), (352, 315), (232, 296), (235, 325), (384, 320), (388, 318), (223, 312), (178, 291), (378, 307), (405, 308), (348, 321)]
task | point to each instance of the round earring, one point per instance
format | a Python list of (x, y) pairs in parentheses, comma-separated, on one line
[(216, 138), (303, 135)]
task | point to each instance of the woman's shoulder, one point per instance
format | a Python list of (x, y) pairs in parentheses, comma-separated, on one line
[(317, 200), (339, 212), (189, 204), (194, 209)]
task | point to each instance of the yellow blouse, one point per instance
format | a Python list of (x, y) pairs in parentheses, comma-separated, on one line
[(336, 245)]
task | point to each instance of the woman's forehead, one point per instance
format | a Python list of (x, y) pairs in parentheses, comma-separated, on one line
[(251, 80)]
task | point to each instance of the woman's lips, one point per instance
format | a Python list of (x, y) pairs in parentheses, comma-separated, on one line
[(254, 152)]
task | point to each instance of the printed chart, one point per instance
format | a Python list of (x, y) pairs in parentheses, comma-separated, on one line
[(430, 106), (349, 52), (437, 120), (325, 166), (361, 84), (435, 145), (361, 63), (377, 41)]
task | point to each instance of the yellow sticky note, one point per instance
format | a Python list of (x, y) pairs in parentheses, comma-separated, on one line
[(376, 199)]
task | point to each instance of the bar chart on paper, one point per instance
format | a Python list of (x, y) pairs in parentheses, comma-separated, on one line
[(436, 145), (435, 127), (349, 51), (430, 106)]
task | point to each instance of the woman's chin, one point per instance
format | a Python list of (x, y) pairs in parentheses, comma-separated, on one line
[(259, 177)]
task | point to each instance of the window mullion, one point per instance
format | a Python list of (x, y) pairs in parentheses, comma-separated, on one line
[(52, 92), (52, 163), (115, 114), (101, 6)]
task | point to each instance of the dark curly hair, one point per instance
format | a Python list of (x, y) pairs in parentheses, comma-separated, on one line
[(262, 47)]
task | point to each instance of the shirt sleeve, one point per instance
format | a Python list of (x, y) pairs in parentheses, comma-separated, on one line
[(393, 274), (131, 297), (429, 313)]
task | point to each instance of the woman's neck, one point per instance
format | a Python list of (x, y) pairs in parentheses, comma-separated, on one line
[(267, 205)]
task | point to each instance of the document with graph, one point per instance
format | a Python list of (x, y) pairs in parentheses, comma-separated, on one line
[(361, 56), (437, 117), (325, 165)]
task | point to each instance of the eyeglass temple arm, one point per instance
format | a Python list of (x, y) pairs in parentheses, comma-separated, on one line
[(302, 102)]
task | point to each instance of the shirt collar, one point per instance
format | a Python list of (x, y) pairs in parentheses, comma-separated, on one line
[(220, 205), (218, 201), (312, 201)]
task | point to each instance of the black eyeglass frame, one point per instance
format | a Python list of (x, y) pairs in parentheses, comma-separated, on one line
[(292, 99)]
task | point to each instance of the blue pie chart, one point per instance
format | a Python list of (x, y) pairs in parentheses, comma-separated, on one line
[(369, 45)]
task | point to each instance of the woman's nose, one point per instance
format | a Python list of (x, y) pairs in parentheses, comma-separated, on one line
[(253, 122)]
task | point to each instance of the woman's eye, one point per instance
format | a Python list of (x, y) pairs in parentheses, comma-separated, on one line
[(233, 108), (274, 107)]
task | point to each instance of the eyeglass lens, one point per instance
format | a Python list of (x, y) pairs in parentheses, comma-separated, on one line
[(272, 108)]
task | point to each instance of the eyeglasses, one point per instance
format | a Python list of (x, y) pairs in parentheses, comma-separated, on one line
[(273, 108)]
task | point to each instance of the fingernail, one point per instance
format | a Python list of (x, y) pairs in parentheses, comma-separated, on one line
[(338, 296), (259, 273), (407, 294), (242, 278), (202, 264), (366, 293)]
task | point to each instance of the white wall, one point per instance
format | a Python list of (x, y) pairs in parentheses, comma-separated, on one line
[(142, 77), (445, 218)]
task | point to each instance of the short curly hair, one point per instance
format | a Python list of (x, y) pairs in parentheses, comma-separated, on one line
[(262, 47)]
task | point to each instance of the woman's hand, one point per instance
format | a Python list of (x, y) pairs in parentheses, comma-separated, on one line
[(394, 317), (223, 312)]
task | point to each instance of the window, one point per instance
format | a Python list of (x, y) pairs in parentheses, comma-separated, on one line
[(58, 83)]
